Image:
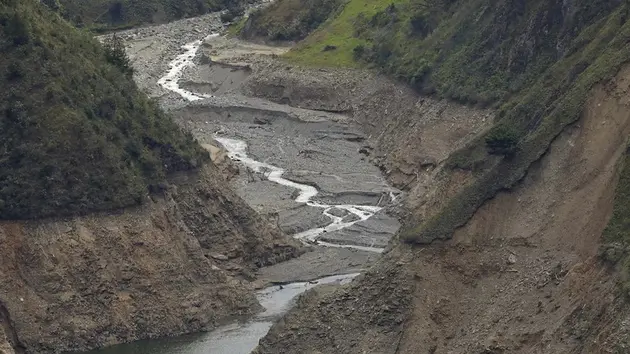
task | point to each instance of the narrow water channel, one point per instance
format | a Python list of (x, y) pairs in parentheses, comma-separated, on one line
[(236, 338)]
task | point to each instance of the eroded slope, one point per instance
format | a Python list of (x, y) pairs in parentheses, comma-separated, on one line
[(521, 276), (169, 267)]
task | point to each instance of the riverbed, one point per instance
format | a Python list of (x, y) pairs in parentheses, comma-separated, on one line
[(303, 166)]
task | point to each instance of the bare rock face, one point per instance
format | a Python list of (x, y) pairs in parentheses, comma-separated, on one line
[(97, 280)]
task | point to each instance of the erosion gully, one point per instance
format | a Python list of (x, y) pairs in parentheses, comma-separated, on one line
[(243, 337)]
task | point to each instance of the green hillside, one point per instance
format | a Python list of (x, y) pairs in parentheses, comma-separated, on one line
[(76, 133), (288, 20), (111, 14)]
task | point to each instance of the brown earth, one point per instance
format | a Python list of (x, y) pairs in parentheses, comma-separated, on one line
[(522, 276), (173, 266)]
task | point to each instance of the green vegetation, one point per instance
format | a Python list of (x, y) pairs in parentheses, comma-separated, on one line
[(617, 233), (115, 54), (339, 33), (76, 133), (236, 27), (288, 20), (538, 112), (502, 140), (474, 51), (108, 15)]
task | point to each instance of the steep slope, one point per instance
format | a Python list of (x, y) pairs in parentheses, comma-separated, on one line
[(500, 251), (163, 269), (101, 15), (77, 134), (115, 226), (289, 20)]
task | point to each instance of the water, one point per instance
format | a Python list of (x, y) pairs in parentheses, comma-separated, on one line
[(237, 150), (170, 81), (236, 338)]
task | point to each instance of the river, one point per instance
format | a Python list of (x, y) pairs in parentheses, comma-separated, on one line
[(242, 337)]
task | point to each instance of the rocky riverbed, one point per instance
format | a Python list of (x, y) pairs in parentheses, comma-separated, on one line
[(306, 170)]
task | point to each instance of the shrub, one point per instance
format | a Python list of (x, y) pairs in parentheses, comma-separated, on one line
[(116, 54), (502, 140), (358, 52)]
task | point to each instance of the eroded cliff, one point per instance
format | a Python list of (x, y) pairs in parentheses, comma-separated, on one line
[(172, 266)]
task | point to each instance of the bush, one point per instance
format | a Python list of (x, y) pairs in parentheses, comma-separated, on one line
[(502, 140), (227, 17), (358, 52)]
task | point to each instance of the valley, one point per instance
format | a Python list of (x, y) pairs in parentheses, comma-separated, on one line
[(302, 167)]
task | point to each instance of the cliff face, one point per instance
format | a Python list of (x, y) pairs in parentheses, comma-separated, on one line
[(162, 269)]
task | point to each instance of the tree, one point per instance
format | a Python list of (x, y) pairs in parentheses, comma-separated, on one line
[(116, 55)]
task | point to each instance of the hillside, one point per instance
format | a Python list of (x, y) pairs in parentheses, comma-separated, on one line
[(77, 134), (526, 221), (534, 63), (289, 20), (102, 15)]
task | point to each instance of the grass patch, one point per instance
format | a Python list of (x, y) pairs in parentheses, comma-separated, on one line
[(77, 135), (235, 28), (337, 32)]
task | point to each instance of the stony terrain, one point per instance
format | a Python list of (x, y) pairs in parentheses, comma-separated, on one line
[(318, 148)]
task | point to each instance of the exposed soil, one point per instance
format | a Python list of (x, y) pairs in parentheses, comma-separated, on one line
[(176, 265), (521, 277)]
